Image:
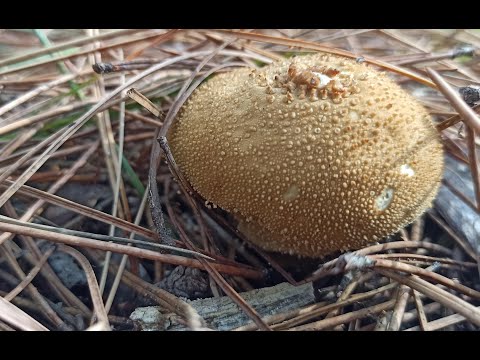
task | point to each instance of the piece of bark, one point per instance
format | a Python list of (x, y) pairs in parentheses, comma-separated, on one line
[(458, 215), (223, 314)]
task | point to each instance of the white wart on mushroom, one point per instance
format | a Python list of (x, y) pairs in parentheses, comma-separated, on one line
[(311, 155)]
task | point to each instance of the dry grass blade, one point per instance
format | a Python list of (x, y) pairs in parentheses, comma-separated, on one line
[(129, 241), (123, 262), (46, 307), (395, 265), (59, 183), (301, 316), (421, 312), (432, 259), (99, 326), (123, 249), (83, 210), (138, 38), (135, 95), (441, 323), (459, 194), (112, 158), (394, 245), (337, 266), (35, 119), (468, 115), (31, 275), (395, 321), (59, 138), (16, 317), (465, 245), (341, 319), (445, 124), (31, 94), (19, 141), (58, 47), (473, 158), (5, 327), (435, 293), (315, 46), (430, 58), (156, 41), (91, 279)]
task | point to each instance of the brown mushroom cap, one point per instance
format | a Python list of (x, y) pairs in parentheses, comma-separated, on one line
[(312, 155)]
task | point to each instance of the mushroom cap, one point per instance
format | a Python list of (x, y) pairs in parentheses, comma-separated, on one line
[(312, 155)]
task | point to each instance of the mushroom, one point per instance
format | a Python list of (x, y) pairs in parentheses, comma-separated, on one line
[(311, 155)]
